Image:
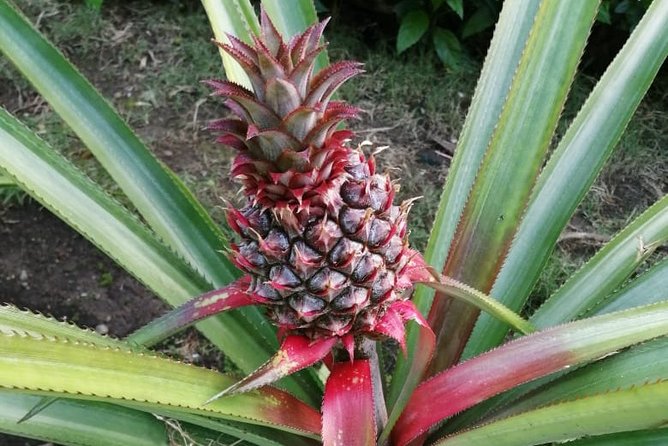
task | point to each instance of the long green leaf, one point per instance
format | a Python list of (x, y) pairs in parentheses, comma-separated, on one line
[(77, 423), (643, 407), (608, 269), (526, 359), (510, 37), (235, 17), (650, 287), (5, 180), (65, 191), (509, 40), (634, 367), (511, 164), (652, 437), (167, 206), (86, 371), (13, 319), (574, 165), (457, 290)]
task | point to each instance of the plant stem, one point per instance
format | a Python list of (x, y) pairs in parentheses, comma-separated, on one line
[(368, 350)]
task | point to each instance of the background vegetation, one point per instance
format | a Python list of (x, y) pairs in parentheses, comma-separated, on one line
[(148, 58)]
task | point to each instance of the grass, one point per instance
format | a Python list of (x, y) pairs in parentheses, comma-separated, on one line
[(149, 58)]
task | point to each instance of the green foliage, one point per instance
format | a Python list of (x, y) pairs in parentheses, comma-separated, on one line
[(446, 23), (622, 14), (95, 4), (10, 192), (413, 26), (508, 197)]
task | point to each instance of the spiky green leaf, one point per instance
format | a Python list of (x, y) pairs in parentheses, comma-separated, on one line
[(608, 269), (78, 423), (501, 62), (64, 190), (574, 165), (14, 319), (77, 370), (650, 287), (169, 209), (446, 286), (643, 407), (511, 164)]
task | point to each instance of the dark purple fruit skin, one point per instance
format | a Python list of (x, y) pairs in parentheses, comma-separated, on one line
[(339, 273)]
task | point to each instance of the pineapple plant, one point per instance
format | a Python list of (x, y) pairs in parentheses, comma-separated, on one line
[(323, 244), (321, 237), (321, 248)]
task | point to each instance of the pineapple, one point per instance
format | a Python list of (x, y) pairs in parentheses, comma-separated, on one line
[(324, 244)]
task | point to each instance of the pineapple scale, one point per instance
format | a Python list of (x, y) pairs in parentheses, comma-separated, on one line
[(333, 274)]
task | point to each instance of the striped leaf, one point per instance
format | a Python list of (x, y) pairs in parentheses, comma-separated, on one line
[(511, 164), (86, 371), (574, 165), (642, 407), (501, 62)]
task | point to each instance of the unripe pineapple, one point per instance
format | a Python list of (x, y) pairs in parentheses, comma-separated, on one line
[(320, 236)]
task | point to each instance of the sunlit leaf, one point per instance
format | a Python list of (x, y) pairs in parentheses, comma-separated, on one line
[(85, 371), (524, 360), (642, 407), (413, 26)]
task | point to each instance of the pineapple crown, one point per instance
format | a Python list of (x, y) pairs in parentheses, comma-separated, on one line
[(285, 130)]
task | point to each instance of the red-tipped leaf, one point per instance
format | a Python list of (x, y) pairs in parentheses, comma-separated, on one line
[(348, 408), (270, 35), (524, 360), (419, 359), (329, 79), (206, 305), (249, 64), (295, 354), (247, 106)]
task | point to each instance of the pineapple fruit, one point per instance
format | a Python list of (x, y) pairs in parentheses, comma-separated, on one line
[(321, 238)]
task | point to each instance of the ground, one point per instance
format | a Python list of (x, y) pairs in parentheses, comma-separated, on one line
[(148, 59)]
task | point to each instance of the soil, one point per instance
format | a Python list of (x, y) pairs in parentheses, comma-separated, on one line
[(47, 267)]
